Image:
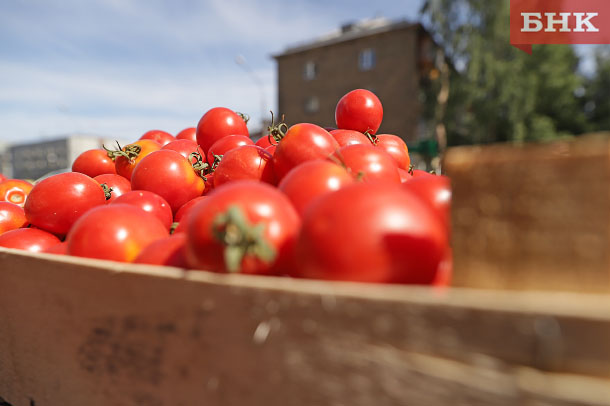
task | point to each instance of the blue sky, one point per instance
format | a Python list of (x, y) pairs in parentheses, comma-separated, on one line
[(120, 68)]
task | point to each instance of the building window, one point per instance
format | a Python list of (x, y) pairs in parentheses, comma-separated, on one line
[(310, 71), (366, 59), (312, 105)]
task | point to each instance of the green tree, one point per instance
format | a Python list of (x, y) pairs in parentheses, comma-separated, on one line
[(497, 92), (597, 107)]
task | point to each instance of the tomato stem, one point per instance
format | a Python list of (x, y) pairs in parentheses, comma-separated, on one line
[(243, 116), (107, 191), (203, 168), (276, 131), (372, 137), (130, 152)]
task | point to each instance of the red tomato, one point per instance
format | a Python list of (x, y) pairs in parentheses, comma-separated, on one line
[(117, 184), (250, 225), (170, 175), (216, 124), (187, 134), (248, 162), (55, 203), (373, 232), (94, 162), (59, 249), (159, 136), (405, 176), (117, 232), (167, 251), (149, 202), (187, 207), (434, 191), (12, 217), (226, 144), (28, 239), (312, 179), (3, 178), (133, 154), (415, 173), (183, 147), (368, 163), (264, 141), (349, 137), (302, 142), (396, 148), (271, 149), (15, 191), (359, 110)]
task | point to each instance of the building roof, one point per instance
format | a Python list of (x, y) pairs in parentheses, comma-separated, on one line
[(347, 32)]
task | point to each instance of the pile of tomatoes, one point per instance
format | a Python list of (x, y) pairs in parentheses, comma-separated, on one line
[(303, 201)]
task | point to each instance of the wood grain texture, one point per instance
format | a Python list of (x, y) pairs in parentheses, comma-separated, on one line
[(86, 332), (532, 217)]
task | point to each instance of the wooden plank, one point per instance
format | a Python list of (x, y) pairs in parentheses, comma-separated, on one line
[(85, 332), (532, 217)]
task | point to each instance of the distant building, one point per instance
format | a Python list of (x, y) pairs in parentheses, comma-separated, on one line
[(395, 60)]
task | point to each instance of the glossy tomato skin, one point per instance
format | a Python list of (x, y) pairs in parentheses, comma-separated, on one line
[(435, 191), (12, 217), (55, 203), (359, 110), (396, 148), (416, 173), (261, 205), (187, 208), (225, 144), (368, 163), (405, 176), (264, 141), (311, 180), (217, 123), (170, 175), (125, 166), (349, 137), (303, 142), (168, 251), (28, 239), (15, 191), (149, 202), (183, 147), (94, 162), (162, 137), (370, 233), (59, 249), (117, 183), (116, 232), (248, 162), (187, 134)]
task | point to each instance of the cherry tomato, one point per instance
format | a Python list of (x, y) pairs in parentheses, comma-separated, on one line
[(55, 203), (12, 217), (243, 226), (434, 191), (416, 173), (226, 144), (405, 176), (3, 178), (117, 184), (187, 207), (59, 249), (248, 162), (149, 202), (396, 148), (271, 149), (168, 251), (302, 142), (133, 154), (349, 137), (368, 163), (170, 175), (15, 191), (264, 142), (162, 137), (94, 162), (183, 147), (116, 232), (373, 232), (187, 134), (312, 179), (28, 239), (359, 110), (218, 123)]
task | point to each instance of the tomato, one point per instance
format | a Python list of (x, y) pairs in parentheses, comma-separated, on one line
[(132, 154), (94, 162), (159, 136), (396, 148), (405, 176), (15, 191), (359, 110), (302, 142), (183, 147), (271, 149), (312, 179), (370, 232), (165, 251), (368, 163), (434, 191), (243, 226), (59, 249), (3, 178), (116, 232), (170, 175), (264, 142), (28, 239), (187, 134), (248, 162), (226, 144), (187, 207), (445, 270), (218, 123), (349, 137), (12, 217), (55, 203), (117, 185), (149, 202), (416, 173)]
